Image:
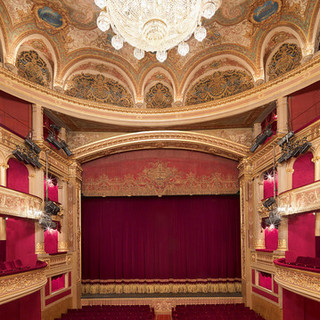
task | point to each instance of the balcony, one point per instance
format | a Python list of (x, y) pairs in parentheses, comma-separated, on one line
[(19, 204), (16, 285), (303, 281)]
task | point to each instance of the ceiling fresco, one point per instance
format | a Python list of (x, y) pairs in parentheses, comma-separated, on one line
[(244, 37)]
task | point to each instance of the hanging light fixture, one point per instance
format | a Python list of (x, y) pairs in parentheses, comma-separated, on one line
[(155, 25)]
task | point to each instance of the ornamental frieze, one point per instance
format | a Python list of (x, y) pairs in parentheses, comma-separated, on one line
[(19, 204), (303, 199), (21, 284), (302, 282), (159, 178)]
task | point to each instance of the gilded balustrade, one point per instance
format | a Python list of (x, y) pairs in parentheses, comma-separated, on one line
[(19, 204)]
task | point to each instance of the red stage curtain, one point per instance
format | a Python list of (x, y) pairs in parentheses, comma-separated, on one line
[(301, 234), (15, 114), (175, 237), (17, 176), (303, 173), (26, 308), (20, 242)]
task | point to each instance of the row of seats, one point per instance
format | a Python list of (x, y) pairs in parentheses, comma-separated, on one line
[(16, 266), (110, 312), (214, 312), (300, 261)]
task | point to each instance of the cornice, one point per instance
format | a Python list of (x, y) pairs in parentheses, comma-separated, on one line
[(292, 81), (161, 139)]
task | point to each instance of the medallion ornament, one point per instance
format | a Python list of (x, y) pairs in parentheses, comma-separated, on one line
[(159, 96)]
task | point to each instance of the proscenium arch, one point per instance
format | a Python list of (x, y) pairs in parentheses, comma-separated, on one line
[(161, 139)]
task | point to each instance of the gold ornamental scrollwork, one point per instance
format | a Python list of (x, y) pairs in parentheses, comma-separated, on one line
[(302, 282), (21, 284)]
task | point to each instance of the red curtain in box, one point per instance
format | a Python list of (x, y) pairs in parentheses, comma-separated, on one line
[(296, 307), (303, 173), (174, 237), (271, 238), (26, 308), (301, 234), (304, 107), (17, 176), (15, 114), (20, 243)]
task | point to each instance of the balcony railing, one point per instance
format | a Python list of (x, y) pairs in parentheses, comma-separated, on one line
[(19, 204), (301, 281), (16, 285)]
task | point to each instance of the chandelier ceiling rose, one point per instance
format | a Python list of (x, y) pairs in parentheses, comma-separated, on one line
[(155, 25)]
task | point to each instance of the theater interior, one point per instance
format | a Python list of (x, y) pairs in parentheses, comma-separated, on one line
[(140, 189)]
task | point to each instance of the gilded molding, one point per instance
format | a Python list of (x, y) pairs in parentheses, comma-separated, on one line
[(302, 282), (21, 284), (161, 139), (19, 204), (290, 82), (162, 305), (157, 287), (302, 199)]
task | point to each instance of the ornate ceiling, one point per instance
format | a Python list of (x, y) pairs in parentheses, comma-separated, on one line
[(56, 44)]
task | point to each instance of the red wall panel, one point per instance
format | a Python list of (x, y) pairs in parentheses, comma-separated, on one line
[(301, 234), (17, 176)]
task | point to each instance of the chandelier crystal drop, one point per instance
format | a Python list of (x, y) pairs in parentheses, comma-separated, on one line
[(155, 25)]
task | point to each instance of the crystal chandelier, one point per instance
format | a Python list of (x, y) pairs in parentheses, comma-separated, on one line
[(155, 25)]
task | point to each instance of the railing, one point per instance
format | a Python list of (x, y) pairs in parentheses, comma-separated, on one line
[(19, 204), (16, 285), (301, 281)]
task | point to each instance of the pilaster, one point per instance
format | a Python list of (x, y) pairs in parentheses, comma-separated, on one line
[(282, 114), (74, 222), (37, 122)]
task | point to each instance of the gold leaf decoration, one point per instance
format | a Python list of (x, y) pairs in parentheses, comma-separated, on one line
[(287, 57), (33, 68), (219, 85), (159, 96), (98, 88)]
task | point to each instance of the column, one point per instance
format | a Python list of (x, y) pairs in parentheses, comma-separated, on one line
[(37, 122), (3, 174), (3, 238), (282, 115), (63, 199), (246, 215), (39, 192), (258, 235), (74, 232)]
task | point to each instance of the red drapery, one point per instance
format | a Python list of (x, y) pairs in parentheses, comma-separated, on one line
[(301, 234), (25, 308), (20, 243), (183, 237)]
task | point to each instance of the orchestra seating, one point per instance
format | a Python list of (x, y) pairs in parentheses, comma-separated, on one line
[(110, 313), (214, 312)]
